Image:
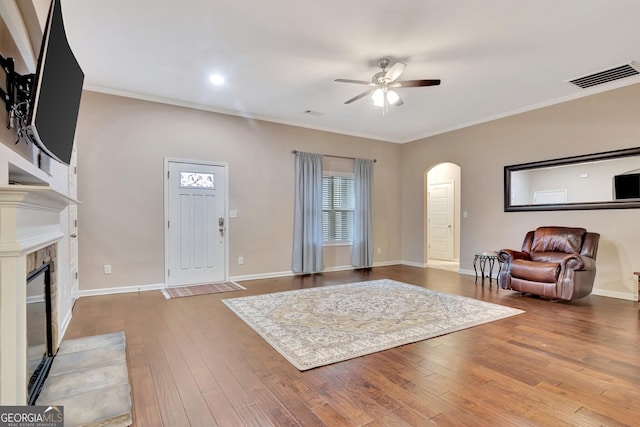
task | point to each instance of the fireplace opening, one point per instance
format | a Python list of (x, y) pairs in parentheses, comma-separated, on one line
[(39, 330)]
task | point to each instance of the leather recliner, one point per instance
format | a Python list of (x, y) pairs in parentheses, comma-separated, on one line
[(555, 263)]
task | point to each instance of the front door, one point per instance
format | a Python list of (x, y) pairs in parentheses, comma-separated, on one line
[(440, 217), (196, 223)]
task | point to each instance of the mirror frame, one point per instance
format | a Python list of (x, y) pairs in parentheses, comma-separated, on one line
[(606, 155)]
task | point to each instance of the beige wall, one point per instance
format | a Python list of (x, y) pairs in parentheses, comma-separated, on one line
[(121, 145), (601, 122)]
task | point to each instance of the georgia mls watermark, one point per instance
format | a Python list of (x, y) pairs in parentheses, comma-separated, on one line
[(31, 416)]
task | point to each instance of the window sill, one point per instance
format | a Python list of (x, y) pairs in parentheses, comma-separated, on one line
[(325, 244)]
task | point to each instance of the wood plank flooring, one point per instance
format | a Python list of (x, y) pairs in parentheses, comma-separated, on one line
[(192, 362)]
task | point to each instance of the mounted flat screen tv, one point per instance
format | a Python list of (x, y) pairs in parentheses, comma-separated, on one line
[(627, 186), (56, 92)]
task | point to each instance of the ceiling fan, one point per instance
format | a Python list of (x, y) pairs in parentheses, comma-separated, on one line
[(384, 83)]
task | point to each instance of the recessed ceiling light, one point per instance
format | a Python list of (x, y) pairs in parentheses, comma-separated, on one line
[(216, 79)]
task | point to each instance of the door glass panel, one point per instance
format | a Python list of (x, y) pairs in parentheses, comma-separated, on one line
[(197, 180)]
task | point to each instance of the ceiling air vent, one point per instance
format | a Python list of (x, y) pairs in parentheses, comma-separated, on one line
[(607, 76)]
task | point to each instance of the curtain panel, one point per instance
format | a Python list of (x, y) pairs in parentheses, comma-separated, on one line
[(362, 249), (307, 222)]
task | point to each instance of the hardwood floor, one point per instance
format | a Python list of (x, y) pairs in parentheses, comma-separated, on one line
[(192, 362)]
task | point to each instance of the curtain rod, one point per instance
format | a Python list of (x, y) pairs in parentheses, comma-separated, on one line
[(330, 155)]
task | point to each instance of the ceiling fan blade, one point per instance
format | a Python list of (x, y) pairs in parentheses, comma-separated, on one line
[(359, 82), (362, 95), (395, 71), (416, 83)]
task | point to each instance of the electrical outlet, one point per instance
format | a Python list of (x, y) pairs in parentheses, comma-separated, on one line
[(107, 269), (379, 250), (240, 260)]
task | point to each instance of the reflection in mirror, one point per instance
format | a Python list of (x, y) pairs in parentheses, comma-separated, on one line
[(596, 181)]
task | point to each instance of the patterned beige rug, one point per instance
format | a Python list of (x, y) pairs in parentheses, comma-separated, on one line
[(318, 326)]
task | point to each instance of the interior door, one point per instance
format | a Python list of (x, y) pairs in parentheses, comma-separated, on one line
[(196, 223), (440, 218)]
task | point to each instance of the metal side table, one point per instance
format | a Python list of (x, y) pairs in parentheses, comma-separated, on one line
[(481, 259)]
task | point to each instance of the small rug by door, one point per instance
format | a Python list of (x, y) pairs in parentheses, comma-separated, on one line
[(212, 288), (318, 326)]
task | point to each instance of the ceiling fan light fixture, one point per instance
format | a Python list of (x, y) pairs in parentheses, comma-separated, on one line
[(216, 79), (392, 97), (378, 98), (383, 82)]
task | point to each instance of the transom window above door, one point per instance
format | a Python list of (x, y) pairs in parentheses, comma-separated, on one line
[(197, 180)]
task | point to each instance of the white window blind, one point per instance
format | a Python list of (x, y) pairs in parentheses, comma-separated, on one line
[(337, 209)]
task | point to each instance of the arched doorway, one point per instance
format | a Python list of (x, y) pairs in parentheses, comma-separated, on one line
[(442, 216)]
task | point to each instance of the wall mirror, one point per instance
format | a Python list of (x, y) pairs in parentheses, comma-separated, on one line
[(608, 180)]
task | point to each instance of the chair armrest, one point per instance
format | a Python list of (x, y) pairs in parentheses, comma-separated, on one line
[(507, 255), (578, 262)]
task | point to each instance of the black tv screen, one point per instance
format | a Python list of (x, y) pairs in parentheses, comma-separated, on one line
[(627, 186), (56, 92)]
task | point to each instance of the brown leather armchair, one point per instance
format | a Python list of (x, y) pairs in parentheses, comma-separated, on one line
[(555, 263)]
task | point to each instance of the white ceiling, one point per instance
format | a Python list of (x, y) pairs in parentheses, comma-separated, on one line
[(280, 57)]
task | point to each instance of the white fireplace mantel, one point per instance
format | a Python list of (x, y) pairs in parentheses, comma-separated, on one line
[(36, 196), (29, 220), (29, 217)]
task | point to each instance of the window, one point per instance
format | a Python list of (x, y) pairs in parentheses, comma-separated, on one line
[(337, 209), (197, 180)]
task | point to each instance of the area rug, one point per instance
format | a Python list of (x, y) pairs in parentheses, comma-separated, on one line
[(318, 326), (212, 288)]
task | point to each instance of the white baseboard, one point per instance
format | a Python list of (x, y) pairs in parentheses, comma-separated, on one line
[(425, 265), (338, 268), (277, 274), (386, 263), (272, 275), (64, 326), (119, 290), (414, 264), (630, 296)]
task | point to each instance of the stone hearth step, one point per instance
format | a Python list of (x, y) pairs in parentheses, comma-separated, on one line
[(89, 378)]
